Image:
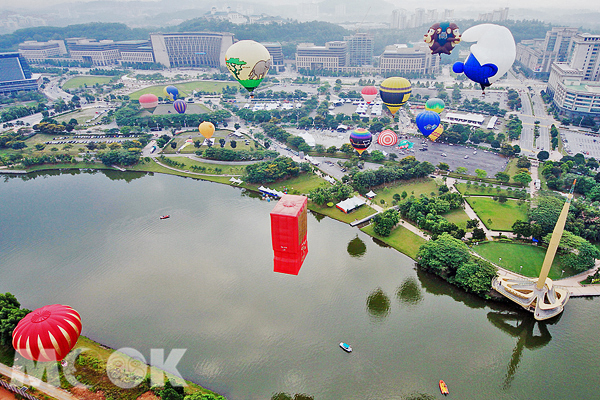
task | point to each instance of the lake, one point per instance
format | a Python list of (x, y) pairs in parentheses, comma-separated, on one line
[(203, 281)]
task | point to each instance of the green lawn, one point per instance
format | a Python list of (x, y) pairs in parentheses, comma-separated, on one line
[(458, 216), (336, 213), (82, 81), (81, 115), (401, 239), (514, 255), (472, 190), (414, 187), (511, 168), (185, 89), (502, 215), (190, 149)]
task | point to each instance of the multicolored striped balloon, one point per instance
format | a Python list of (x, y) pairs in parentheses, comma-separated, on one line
[(387, 138), (435, 104), (48, 333), (360, 139), (394, 92), (180, 106), (437, 133)]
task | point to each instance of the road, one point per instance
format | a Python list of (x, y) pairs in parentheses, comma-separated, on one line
[(18, 376)]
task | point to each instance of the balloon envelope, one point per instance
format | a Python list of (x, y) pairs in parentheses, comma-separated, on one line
[(405, 144), (360, 139), (442, 37), (369, 93), (180, 106), (206, 129), (148, 101), (48, 333), (394, 92), (436, 133), (491, 56), (248, 61), (171, 92), (387, 138), (436, 105), (427, 121)]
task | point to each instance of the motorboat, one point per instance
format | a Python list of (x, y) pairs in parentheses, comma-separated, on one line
[(164, 216), (346, 347), (444, 388)]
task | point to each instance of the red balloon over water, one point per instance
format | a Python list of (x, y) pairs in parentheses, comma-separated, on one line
[(48, 333)]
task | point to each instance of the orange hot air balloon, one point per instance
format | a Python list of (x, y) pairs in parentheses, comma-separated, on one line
[(206, 129), (48, 333)]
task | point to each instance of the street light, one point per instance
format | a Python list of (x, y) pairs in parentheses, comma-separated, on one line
[(562, 272)]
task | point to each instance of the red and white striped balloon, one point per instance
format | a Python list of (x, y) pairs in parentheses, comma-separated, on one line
[(387, 138), (48, 333)]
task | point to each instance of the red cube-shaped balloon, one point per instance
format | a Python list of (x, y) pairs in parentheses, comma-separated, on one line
[(288, 233), (48, 333)]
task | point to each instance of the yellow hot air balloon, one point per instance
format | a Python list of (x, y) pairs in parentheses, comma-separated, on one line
[(436, 133), (248, 61), (206, 129), (394, 92)]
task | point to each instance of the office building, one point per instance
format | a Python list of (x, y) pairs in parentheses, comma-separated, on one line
[(102, 53), (399, 19), (332, 56), (36, 52), (498, 15), (402, 58), (276, 56), (583, 54), (15, 75), (360, 49), (191, 49), (537, 55), (135, 51)]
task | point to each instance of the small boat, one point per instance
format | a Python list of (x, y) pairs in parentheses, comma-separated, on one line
[(165, 216), (346, 347), (444, 388)]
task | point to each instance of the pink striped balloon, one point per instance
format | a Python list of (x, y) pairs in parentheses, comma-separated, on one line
[(387, 138), (48, 333)]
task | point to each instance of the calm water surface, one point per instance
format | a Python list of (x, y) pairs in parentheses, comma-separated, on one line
[(203, 280)]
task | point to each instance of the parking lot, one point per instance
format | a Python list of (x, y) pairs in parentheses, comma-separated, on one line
[(585, 143)]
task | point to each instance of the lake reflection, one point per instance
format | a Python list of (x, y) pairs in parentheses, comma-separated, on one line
[(203, 281)]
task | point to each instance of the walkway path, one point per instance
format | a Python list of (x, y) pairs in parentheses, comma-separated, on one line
[(44, 387)]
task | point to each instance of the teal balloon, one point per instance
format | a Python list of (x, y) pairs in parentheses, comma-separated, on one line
[(436, 105)]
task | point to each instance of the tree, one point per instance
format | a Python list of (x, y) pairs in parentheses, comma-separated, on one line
[(476, 276), (472, 223), (377, 155), (233, 144), (481, 173), (522, 178), (502, 177), (10, 315), (478, 234), (385, 222), (443, 166), (523, 162), (444, 255), (461, 170), (173, 144), (521, 228), (543, 155)]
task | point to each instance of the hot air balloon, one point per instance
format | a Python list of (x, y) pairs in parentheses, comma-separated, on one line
[(171, 92), (206, 129), (360, 139), (436, 133), (394, 92), (387, 138), (148, 101), (48, 333), (435, 104), (491, 56), (180, 106), (405, 144), (427, 121), (248, 61), (442, 37), (288, 233), (368, 93)]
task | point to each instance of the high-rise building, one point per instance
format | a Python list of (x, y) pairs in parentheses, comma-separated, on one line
[(332, 56), (360, 49), (557, 42), (537, 55), (420, 18), (191, 49), (15, 75), (399, 19), (276, 56), (583, 52)]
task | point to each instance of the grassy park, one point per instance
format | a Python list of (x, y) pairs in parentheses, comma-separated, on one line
[(86, 81), (185, 89), (458, 216), (501, 215), (412, 188), (336, 213), (488, 190), (512, 256), (400, 239)]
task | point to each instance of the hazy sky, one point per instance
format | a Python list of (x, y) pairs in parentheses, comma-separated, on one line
[(407, 4)]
